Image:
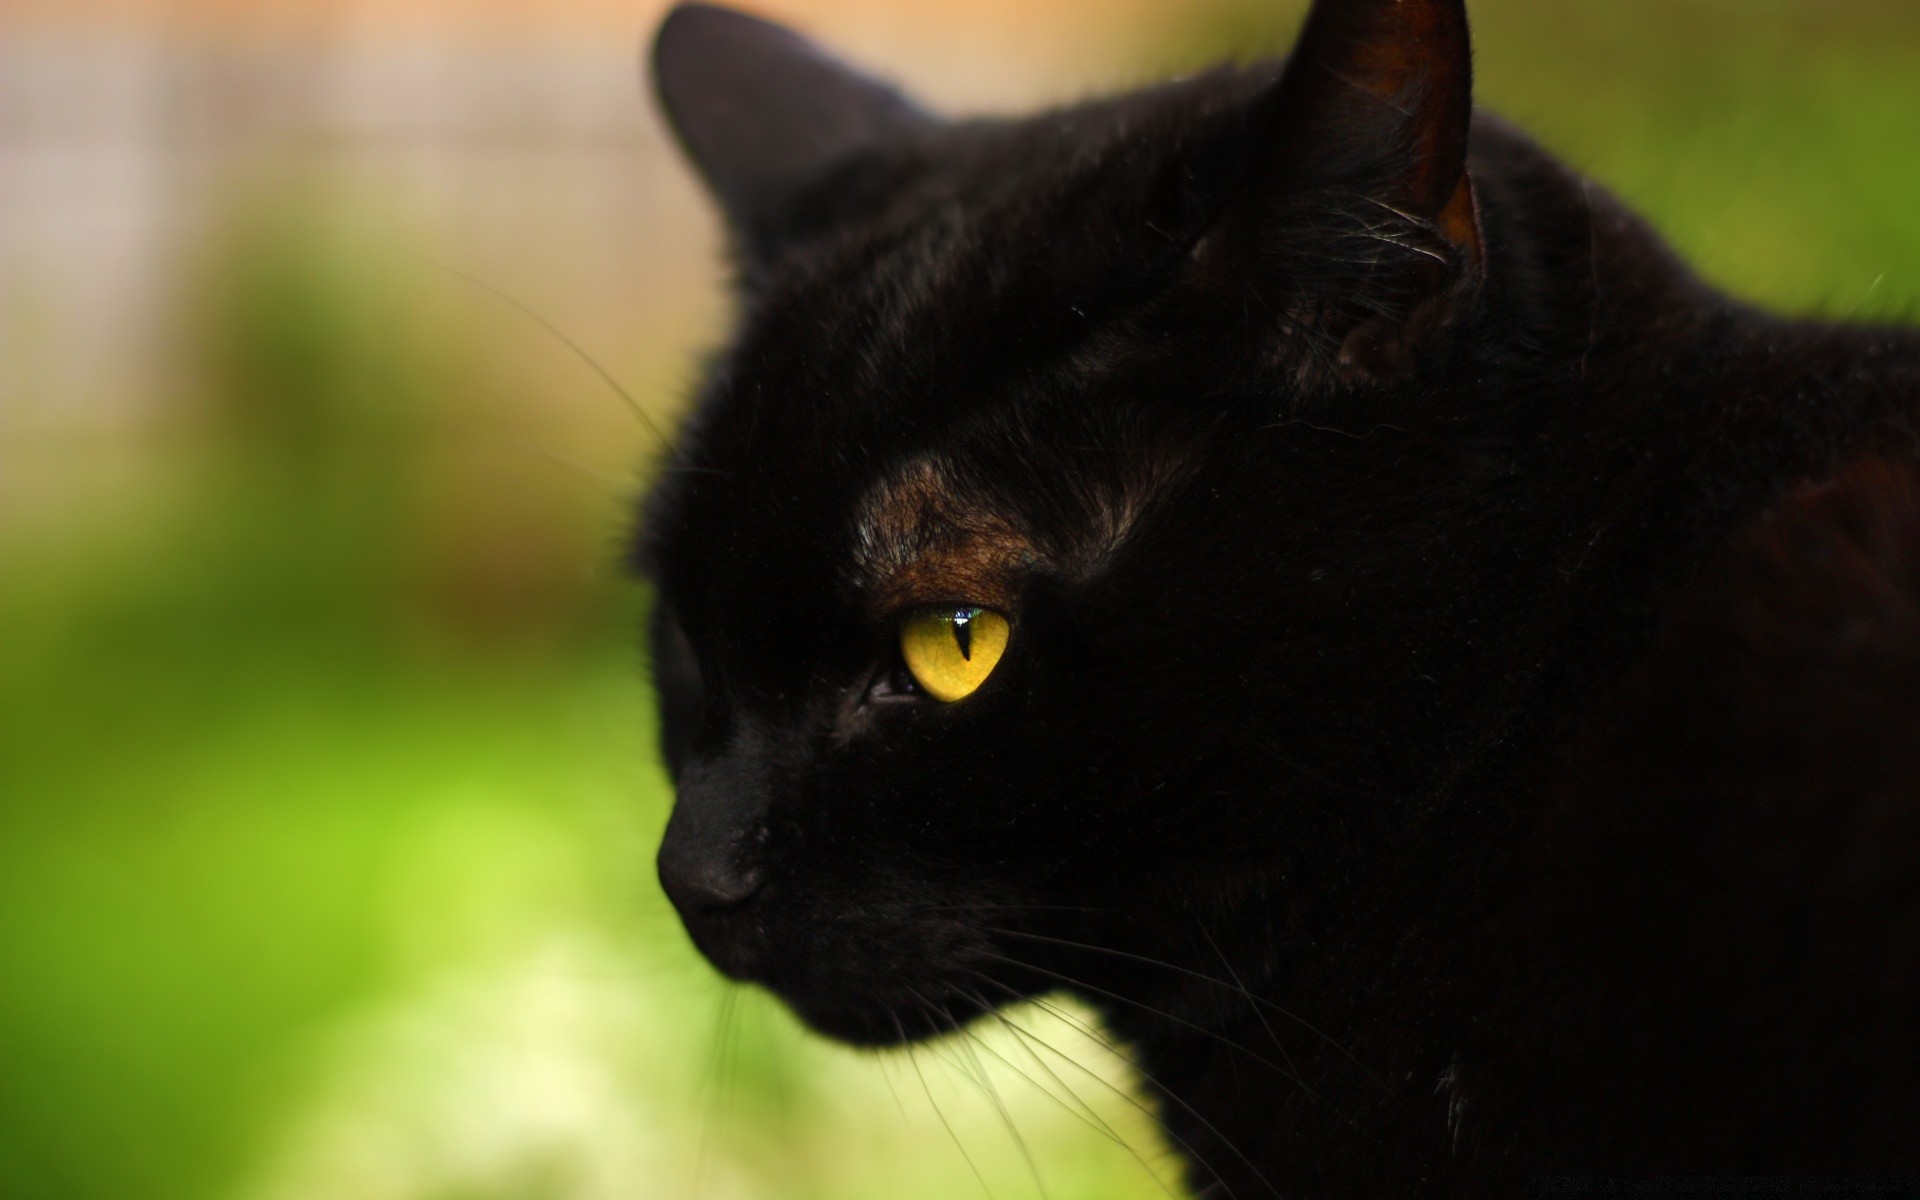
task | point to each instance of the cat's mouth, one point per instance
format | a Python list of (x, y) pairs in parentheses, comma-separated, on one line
[(869, 1003), (888, 1016), (856, 979)]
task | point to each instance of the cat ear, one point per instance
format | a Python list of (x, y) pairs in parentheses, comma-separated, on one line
[(1357, 186), (764, 113)]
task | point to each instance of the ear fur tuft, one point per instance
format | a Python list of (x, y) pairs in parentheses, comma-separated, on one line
[(1358, 190)]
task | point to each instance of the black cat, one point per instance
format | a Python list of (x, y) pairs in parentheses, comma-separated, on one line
[(1280, 557)]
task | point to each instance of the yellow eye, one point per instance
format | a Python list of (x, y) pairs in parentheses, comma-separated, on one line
[(951, 651)]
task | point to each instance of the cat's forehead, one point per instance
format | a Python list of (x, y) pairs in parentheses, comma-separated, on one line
[(889, 517), (984, 239), (901, 406)]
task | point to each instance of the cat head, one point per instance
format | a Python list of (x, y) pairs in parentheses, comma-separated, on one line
[(1020, 570)]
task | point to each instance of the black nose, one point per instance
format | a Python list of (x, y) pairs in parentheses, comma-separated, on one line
[(702, 879), (710, 860), (707, 856)]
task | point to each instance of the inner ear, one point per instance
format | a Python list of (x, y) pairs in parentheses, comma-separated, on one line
[(766, 115), (1356, 195), (1383, 90)]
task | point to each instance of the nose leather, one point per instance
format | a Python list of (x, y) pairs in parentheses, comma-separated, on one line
[(707, 858), (702, 879)]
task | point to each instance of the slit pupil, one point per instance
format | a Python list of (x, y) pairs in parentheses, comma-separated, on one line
[(963, 631)]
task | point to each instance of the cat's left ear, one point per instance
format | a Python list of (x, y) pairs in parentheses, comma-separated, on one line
[(766, 116), (1355, 196)]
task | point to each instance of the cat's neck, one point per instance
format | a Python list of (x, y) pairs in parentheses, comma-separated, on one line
[(1677, 417), (1663, 415)]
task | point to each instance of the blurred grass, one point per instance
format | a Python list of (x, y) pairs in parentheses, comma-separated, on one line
[(326, 790), (232, 710)]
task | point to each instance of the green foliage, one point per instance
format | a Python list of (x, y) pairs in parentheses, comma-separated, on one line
[(232, 710)]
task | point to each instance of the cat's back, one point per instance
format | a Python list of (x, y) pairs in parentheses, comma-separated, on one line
[(1742, 822)]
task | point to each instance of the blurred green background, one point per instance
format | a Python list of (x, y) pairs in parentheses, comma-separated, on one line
[(327, 788)]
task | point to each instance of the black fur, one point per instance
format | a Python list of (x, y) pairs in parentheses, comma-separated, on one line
[(1462, 712)]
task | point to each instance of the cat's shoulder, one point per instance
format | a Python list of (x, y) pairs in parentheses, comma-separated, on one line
[(1734, 827), (1826, 581), (1769, 740), (1795, 651)]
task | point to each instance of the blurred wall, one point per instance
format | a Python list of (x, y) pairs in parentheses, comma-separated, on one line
[(513, 140)]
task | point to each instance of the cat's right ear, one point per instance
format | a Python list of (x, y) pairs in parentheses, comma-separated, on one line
[(766, 116), (1354, 200)]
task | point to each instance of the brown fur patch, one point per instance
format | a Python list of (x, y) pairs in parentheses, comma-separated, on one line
[(922, 542), (926, 539)]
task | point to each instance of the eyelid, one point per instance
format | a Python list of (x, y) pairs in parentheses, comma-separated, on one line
[(977, 572)]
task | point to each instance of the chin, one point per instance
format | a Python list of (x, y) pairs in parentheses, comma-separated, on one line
[(897, 1018)]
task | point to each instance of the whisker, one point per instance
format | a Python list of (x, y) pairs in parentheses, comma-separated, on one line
[(1079, 1109), (935, 1105), (1260, 1003), (1085, 1112), (1102, 1040), (1006, 1115), (1129, 955), (998, 906), (1288, 1072), (1070, 981), (967, 1041), (1237, 986), (713, 1084), (1163, 1089), (1258, 1012), (633, 405), (617, 484), (897, 1101)]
